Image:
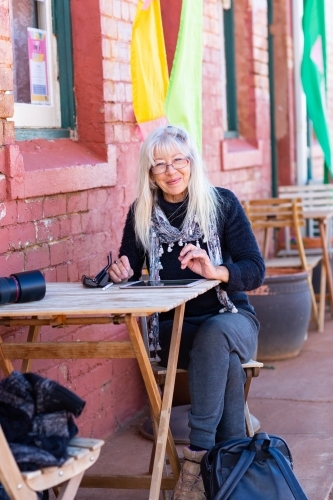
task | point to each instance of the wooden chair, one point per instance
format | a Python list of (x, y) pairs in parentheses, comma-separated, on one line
[(251, 368), (317, 203), (314, 197), (275, 214), (18, 485)]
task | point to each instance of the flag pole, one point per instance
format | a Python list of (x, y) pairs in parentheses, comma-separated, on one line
[(300, 100)]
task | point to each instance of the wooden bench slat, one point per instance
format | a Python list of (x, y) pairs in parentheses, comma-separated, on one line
[(49, 470), (57, 475), (77, 453), (160, 370), (90, 443), (311, 260), (31, 474), (252, 364)]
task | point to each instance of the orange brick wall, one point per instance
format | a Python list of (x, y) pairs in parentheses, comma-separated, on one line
[(252, 92), (281, 29), (70, 233), (6, 100)]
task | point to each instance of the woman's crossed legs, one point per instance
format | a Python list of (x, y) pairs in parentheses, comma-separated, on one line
[(212, 349)]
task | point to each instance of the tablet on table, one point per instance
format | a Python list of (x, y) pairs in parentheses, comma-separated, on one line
[(183, 283)]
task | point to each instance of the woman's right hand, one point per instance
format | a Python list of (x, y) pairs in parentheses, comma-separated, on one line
[(120, 270)]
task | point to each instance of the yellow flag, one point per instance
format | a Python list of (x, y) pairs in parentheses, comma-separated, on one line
[(149, 67)]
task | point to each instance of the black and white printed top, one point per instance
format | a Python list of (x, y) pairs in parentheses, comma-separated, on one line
[(240, 253)]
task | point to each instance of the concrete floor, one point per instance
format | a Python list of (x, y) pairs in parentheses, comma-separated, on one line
[(292, 399)]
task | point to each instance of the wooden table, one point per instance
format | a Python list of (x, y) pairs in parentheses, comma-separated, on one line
[(317, 202), (323, 217), (73, 304)]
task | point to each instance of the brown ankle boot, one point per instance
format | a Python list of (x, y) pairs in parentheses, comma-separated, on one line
[(190, 485)]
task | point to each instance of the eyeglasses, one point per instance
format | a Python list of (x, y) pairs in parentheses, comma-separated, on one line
[(101, 279), (161, 167)]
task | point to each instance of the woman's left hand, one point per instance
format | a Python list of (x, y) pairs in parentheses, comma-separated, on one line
[(197, 260)]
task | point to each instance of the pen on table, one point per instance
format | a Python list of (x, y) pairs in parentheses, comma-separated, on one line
[(107, 286)]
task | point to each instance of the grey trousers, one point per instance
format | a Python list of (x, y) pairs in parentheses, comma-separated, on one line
[(212, 349)]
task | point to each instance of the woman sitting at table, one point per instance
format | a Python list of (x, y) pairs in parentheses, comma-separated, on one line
[(186, 228)]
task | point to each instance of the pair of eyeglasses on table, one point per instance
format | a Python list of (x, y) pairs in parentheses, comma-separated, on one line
[(101, 280)]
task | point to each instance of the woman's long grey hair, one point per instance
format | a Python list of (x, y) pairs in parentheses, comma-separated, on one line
[(202, 197)]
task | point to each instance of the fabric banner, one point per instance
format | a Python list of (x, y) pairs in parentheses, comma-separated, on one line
[(149, 67), (183, 105), (313, 73)]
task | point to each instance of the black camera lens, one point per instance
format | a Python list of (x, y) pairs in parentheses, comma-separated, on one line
[(9, 290), (22, 287)]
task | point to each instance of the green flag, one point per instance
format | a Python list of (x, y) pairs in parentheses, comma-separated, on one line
[(183, 106), (313, 73)]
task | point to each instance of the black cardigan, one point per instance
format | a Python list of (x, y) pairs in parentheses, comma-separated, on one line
[(240, 255)]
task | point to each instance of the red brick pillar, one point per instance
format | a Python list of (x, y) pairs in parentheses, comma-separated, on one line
[(6, 98), (284, 92)]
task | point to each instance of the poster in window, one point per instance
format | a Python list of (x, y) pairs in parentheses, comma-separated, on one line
[(39, 88)]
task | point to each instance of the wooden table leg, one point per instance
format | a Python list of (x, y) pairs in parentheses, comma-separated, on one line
[(322, 297), (32, 337), (163, 427), (5, 364), (164, 437), (323, 235)]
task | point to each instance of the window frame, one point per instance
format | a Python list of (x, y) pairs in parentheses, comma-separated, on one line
[(62, 28), (57, 120), (229, 80)]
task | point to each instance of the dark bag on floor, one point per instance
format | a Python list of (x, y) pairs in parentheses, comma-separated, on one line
[(258, 468)]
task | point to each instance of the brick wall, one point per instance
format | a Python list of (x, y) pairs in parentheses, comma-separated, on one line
[(284, 103), (6, 99), (252, 180), (64, 236), (212, 92), (70, 233)]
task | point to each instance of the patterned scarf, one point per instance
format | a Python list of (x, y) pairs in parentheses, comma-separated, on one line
[(161, 231)]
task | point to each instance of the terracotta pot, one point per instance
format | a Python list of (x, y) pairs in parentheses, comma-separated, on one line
[(283, 307)]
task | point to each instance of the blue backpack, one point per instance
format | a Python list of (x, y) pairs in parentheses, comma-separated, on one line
[(258, 468)]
